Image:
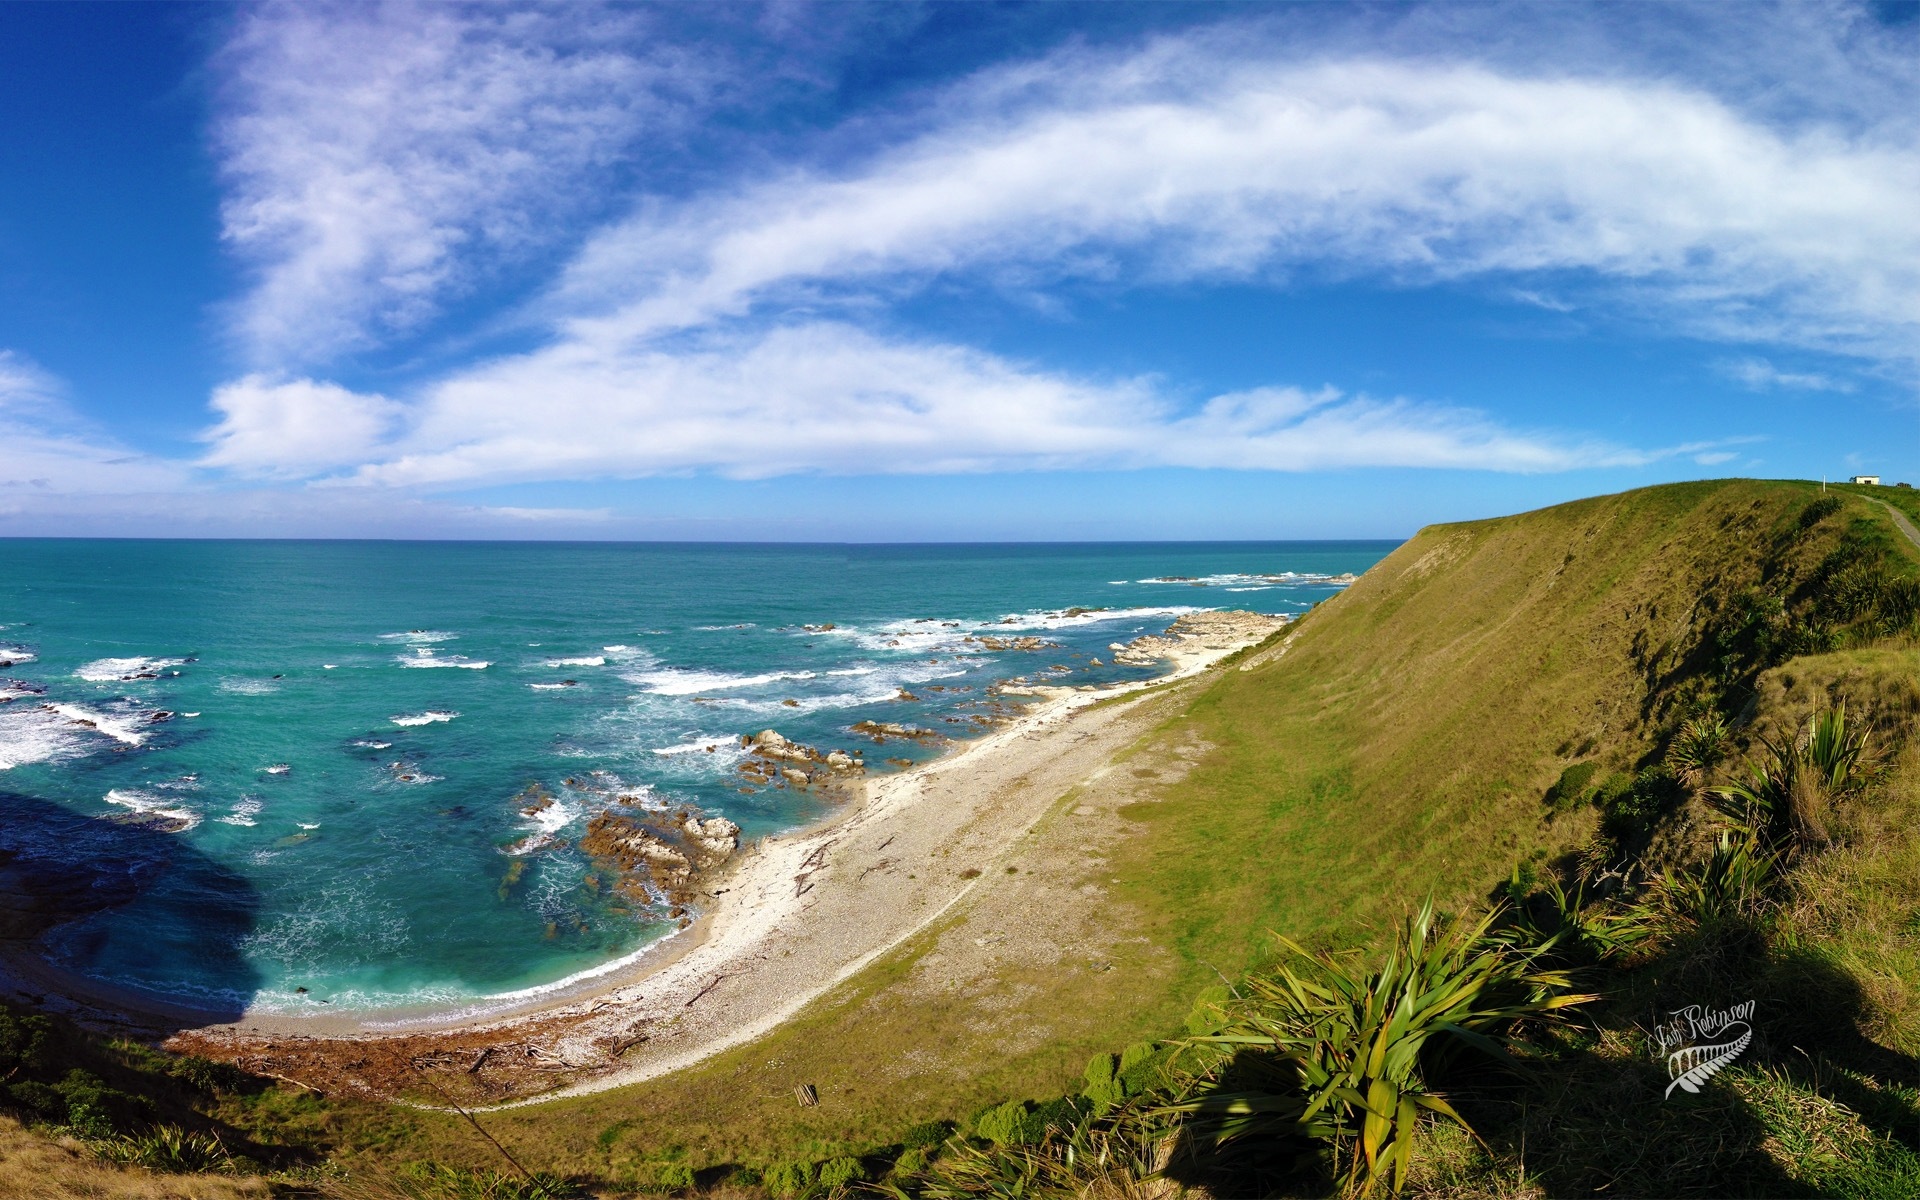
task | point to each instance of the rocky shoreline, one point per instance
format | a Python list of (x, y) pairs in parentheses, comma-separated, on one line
[(765, 928)]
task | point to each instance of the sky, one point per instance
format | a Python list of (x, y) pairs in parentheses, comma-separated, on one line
[(898, 272)]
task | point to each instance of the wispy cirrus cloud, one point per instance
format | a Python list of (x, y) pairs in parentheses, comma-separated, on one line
[(1173, 166), (381, 159), (1761, 376), (49, 451)]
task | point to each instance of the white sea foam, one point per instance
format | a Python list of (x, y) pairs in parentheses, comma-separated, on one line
[(243, 813), (116, 670), (1237, 580), (419, 637), (701, 746), (373, 744), (554, 817), (675, 681), (1070, 618), (304, 825), (425, 718), (549, 687), (16, 654), (807, 704), (546, 825), (277, 769), (593, 660), (149, 805), (34, 733), (425, 657), (113, 728), (249, 687), (935, 635)]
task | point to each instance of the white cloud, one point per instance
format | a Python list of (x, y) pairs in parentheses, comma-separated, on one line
[(717, 332), (295, 427), (380, 158), (1761, 376), (1171, 165), (47, 451), (831, 397)]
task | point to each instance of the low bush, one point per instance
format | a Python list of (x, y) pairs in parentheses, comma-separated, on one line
[(1572, 789), (787, 1179)]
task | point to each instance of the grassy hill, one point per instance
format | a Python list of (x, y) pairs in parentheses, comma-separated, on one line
[(1408, 739)]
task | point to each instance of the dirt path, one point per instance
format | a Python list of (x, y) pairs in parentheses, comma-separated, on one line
[(1901, 522)]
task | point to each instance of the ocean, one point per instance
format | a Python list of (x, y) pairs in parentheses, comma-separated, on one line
[(294, 776)]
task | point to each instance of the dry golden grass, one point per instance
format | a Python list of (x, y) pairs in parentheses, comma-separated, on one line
[(35, 1168)]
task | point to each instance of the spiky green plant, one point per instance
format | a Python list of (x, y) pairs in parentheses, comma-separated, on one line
[(1697, 749), (1557, 918), (1731, 883), (1368, 1049), (1781, 803), (167, 1148)]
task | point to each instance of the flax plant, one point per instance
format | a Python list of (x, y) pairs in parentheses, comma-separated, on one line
[(1781, 803), (1367, 1049)]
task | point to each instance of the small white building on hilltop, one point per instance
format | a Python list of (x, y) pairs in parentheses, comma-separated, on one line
[(1869, 480)]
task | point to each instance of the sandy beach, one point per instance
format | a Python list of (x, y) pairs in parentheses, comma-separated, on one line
[(788, 919)]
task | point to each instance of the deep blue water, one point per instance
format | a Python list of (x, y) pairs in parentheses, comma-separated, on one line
[(333, 807)]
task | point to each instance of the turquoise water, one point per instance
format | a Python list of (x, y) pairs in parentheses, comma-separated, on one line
[(330, 815)]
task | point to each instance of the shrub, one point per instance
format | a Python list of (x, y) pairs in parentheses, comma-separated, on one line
[(788, 1178), (206, 1075), (26, 1042), (1573, 787), (1631, 804), (38, 1099), (1141, 1068), (839, 1172), (927, 1134), (95, 1110), (1009, 1124), (1103, 1089), (674, 1175)]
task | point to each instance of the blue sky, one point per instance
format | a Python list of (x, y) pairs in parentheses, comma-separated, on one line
[(967, 271)]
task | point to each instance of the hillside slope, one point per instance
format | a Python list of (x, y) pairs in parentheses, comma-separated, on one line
[(1400, 740)]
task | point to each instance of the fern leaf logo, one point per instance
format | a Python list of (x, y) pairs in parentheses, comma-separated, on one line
[(1693, 1066)]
